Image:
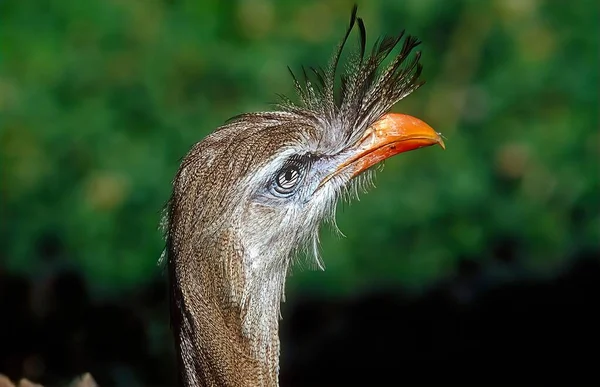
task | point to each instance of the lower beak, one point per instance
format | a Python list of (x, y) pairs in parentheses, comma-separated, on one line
[(391, 135)]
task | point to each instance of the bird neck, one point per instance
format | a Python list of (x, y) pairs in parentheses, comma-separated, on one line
[(225, 315)]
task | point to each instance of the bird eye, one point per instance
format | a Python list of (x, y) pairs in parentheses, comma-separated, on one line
[(287, 179)]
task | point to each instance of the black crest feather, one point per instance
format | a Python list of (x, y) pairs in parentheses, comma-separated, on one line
[(367, 89)]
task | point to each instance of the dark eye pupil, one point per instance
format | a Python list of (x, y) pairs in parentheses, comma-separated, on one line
[(288, 174), (287, 179)]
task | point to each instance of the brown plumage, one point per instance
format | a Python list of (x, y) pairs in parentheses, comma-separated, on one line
[(252, 194)]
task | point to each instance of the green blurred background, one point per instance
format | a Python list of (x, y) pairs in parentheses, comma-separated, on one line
[(99, 100)]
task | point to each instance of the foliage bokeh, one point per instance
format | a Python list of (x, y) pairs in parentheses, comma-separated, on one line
[(99, 101)]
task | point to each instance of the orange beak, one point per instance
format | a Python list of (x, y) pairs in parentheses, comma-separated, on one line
[(392, 134)]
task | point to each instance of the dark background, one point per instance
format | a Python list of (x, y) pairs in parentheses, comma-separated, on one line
[(480, 263)]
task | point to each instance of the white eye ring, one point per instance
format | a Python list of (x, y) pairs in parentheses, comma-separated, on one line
[(287, 179)]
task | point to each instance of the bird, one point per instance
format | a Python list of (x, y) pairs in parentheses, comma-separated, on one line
[(249, 198)]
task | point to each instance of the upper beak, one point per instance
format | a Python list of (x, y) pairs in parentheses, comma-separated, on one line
[(392, 134)]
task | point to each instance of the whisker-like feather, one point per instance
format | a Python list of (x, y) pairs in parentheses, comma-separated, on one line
[(367, 91)]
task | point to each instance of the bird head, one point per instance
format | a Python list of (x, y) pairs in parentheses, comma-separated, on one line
[(269, 179)]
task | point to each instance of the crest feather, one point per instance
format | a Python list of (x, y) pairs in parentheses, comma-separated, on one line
[(367, 91)]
